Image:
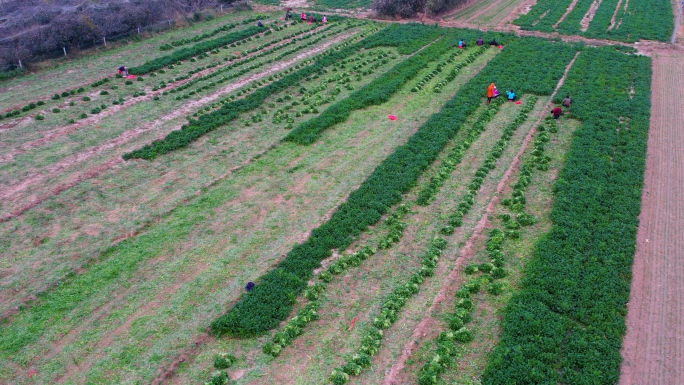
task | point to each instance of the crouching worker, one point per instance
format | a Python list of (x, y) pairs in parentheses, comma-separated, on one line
[(510, 95), (557, 112), (123, 71)]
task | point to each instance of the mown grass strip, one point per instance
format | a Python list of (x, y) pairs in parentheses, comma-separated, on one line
[(272, 299), (114, 264), (567, 322)]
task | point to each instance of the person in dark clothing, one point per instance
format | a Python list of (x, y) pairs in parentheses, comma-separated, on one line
[(493, 42), (259, 24), (567, 102), (287, 15), (123, 71), (557, 112), (480, 42)]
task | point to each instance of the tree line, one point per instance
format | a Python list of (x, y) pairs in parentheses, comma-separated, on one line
[(31, 29)]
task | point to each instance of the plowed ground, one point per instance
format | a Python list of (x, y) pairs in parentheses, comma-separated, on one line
[(653, 349)]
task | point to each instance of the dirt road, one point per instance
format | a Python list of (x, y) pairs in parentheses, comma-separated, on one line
[(653, 349)]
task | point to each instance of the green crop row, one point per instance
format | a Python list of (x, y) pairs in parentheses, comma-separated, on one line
[(452, 74), (230, 111), (388, 314), (445, 352), (246, 60), (264, 307), (489, 163), (648, 19), (378, 91), (421, 83), (197, 49), (252, 67), (206, 35), (567, 322), (427, 194), (550, 11)]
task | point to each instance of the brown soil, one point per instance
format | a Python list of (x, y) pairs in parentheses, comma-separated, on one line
[(612, 19), (13, 193), (589, 16), (653, 348), (394, 376)]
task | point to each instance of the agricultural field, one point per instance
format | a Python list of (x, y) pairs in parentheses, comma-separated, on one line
[(488, 13), (620, 20), (324, 203)]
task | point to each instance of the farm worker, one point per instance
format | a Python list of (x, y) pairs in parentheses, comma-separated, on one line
[(510, 95), (249, 286), (461, 44), (493, 42), (259, 23), (480, 41), (496, 92), (325, 19), (567, 102), (311, 19), (303, 17), (287, 15), (490, 92), (557, 112), (123, 71)]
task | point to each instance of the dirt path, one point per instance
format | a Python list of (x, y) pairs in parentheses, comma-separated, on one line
[(14, 193), (653, 348), (589, 16), (567, 12), (467, 251), (612, 19)]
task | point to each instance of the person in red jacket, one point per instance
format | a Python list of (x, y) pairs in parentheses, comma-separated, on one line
[(557, 112)]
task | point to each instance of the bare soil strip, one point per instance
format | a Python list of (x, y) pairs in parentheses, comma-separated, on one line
[(653, 348), (612, 19), (466, 251), (589, 16), (113, 110), (567, 12), (13, 193)]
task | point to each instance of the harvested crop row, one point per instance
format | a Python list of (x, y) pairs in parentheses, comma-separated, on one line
[(394, 36), (269, 303)]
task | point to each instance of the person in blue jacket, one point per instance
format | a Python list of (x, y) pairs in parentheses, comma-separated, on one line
[(510, 95)]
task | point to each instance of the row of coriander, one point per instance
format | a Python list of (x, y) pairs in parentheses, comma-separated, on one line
[(230, 111), (577, 284), (445, 353), (268, 304)]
